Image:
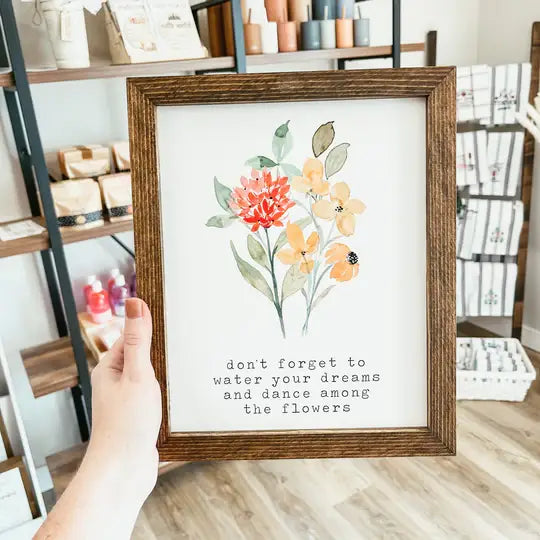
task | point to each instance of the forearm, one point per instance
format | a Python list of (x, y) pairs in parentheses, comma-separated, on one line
[(98, 503)]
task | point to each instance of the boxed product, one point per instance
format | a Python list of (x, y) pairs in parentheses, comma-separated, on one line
[(116, 195), (84, 161), (494, 368), (77, 203), (120, 151), (151, 30)]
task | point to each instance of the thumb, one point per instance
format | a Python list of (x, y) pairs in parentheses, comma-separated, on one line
[(137, 340)]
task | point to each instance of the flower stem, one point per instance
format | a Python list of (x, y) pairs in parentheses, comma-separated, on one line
[(277, 304), (309, 306)]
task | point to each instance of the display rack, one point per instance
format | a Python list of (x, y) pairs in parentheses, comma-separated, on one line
[(63, 363), (526, 190), (468, 326)]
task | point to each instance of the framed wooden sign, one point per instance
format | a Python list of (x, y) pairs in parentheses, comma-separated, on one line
[(295, 241)]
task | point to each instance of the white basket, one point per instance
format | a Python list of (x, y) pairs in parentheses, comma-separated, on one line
[(493, 384)]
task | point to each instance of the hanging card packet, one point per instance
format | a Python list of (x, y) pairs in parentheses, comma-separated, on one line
[(116, 195), (471, 297), (459, 288), (471, 157), (77, 203), (510, 91), (473, 93), (84, 161), (509, 284), (504, 156), (120, 151)]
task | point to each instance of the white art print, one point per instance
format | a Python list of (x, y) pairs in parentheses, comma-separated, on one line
[(294, 264)]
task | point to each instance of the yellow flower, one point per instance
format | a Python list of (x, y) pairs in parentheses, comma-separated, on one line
[(341, 208), (301, 249), (344, 260), (311, 180)]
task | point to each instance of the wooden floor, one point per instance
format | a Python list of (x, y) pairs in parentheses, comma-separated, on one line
[(491, 490)]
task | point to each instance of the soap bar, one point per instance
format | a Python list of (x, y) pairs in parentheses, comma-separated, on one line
[(84, 161)]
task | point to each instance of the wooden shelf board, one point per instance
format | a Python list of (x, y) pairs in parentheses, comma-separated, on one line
[(39, 242), (51, 366), (331, 54), (102, 70), (65, 464)]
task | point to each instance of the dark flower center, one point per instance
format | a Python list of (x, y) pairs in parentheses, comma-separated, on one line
[(303, 253), (352, 257), (339, 208)]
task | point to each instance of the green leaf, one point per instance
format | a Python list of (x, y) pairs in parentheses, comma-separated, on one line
[(292, 282), (220, 221), (321, 296), (290, 170), (282, 130), (223, 195), (282, 142), (322, 138), (282, 238), (252, 275), (336, 159), (260, 162), (256, 251)]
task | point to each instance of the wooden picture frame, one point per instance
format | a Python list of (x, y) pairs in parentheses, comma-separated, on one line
[(17, 462), (4, 436), (434, 85)]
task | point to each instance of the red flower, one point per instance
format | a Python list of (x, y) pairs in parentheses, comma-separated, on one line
[(261, 201)]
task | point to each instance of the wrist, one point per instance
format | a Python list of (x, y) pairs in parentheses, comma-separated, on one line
[(121, 475)]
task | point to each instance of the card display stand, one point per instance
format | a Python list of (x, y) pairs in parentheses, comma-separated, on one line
[(494, 188), (22, 458)]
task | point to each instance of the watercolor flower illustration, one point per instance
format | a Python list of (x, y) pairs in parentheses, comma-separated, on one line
[(341, 208), (261, 201), (301, 250), (311, 180), (291, 254), (344, 261)]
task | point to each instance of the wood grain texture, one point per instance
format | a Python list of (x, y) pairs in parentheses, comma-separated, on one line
[(526, 189), (437, 87), (102, 70), (489, 491), (39, 242), (51, 367)]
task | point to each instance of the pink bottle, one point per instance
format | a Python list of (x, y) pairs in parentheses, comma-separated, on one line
[(98, 304), (133, 285), (87, 289), (119, 293), (110, 283)]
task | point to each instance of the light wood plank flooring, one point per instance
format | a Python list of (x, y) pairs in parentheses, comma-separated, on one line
[(491, 490)]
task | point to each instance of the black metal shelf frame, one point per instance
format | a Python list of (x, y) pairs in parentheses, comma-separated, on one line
[(36, 179)]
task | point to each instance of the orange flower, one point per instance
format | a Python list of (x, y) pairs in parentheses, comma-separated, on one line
[(311, 180), (344, 260), (261, 201), (341, 208), (301, 249)]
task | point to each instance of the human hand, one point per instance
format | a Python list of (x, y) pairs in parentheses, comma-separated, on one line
[(119, 469), (126, 403)]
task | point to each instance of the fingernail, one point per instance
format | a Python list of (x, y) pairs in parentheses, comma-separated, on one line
[(134, 308)]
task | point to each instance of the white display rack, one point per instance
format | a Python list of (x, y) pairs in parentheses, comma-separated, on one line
[(11, 413)]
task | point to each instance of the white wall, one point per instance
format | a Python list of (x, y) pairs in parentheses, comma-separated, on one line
[(95, 111), (504, 35)]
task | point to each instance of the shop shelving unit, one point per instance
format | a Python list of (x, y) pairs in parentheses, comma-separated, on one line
[(62, 363)]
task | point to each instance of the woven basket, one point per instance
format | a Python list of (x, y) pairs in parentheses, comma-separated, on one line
[(494, 384)]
